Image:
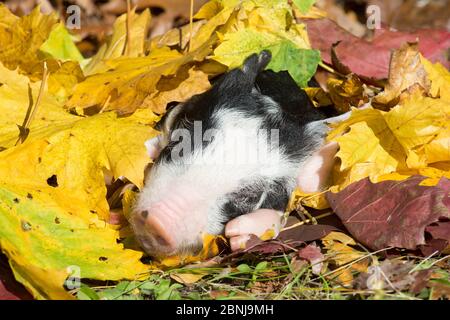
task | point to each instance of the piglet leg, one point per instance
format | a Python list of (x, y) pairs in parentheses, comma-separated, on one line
[(267, 223), (314, 174), (264, 223)]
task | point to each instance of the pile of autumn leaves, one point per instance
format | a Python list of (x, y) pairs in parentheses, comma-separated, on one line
[(69, 122), (405, 132)]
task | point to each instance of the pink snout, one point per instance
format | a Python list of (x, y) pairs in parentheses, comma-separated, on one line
[(163, 229), (159, 231), (155, 230)]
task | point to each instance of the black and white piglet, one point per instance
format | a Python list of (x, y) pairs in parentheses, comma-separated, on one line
[(228, 160)]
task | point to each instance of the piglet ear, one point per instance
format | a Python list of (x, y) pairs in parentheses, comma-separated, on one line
[(256, 63), (153, 147), (242, 80)]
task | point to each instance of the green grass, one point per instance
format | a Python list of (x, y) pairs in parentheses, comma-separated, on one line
[(275, 277)]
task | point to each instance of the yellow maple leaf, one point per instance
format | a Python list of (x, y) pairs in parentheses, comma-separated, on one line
[(127, 82), (211, 247), (338, 245), (217, 13), (258, 25), (77, 153), (409, 138), (47, 234), (118, 45), (63, 79), (416, 122), (75, 143), (21, 38), (339, 251), (177, 89), (313, 200), (372, 143), (53, 204), (440, 79), (16, 95)]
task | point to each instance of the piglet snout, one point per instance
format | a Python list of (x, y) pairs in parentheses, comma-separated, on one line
[(159, 232), (154, 228), (170, 225)]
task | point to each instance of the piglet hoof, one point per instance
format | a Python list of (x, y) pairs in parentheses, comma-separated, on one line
[(264, 223), (239, 242)]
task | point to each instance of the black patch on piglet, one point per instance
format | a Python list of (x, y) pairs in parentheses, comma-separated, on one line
[(260, 195), (295, 111)]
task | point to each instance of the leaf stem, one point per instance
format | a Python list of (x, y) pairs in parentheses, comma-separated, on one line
[(191, 24), (24, 128), (308, 221), (128, 26)]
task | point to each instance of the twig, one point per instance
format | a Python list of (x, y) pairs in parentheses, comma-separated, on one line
[(307, 221), (128, 26), (439, 260), (191, 24), (31, 112), (327, 68), (301, 210), (422, 262)]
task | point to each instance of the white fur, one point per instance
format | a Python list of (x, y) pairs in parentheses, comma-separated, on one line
[(153, 147)]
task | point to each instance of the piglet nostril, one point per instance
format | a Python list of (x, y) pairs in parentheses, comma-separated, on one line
[(144, 214), (161, 241)]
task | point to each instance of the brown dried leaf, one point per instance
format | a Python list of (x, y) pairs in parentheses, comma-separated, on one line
[(347, 93), (392, 213), (405, 71), (370, 59), (171, 89), (313, 254)]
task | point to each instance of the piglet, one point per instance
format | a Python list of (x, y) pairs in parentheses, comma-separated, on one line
[(227, 161)]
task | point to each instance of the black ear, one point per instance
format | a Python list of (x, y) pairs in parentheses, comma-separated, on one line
[(243, 80), (166, 122), (284, 90), (256, 63)]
